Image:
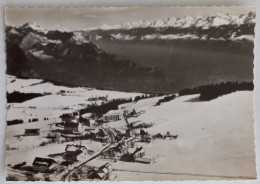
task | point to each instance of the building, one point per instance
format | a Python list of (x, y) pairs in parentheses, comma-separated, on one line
[(73, 126), (137, 152), (99, 169), (32, 132), (115, 152), (73, 152), (44, 164), (112, 115), (101, 135)]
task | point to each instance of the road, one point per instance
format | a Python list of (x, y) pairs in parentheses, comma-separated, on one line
[(80, 165)]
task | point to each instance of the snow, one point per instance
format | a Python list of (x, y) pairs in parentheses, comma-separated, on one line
[(39, 86), (97, 37), (214, 138), (33, 25), (184, 22), (221, 19), (19, 156), (169, 37), (244, 37), (149, 37), (120, 36), (79, 38), (40, 54)]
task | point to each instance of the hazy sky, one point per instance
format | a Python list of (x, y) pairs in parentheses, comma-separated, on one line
[(81, 18)]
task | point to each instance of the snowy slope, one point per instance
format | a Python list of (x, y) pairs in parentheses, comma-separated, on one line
[(216, 138)]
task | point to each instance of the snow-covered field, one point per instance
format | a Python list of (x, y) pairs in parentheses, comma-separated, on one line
[(50, 106), (61, 99), (216, 139)]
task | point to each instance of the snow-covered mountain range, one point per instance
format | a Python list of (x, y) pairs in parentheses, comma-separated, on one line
[(204, 22), (71, 58), (219, 27)]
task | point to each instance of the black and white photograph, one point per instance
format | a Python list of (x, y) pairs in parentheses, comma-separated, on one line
[(156, 93)]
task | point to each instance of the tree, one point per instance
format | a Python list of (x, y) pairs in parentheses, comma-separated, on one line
[(142, 132)]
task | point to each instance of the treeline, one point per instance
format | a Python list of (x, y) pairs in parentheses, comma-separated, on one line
[(212, 91), (104, 108), (17, 97), (141, 97), (165, 99)]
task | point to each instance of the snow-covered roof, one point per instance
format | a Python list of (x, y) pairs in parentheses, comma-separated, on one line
[(112, 112), (74, 148), (86, 115), (38, 161), (97, 163)]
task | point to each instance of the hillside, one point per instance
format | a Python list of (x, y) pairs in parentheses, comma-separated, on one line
[(215, 139), (71, 59)]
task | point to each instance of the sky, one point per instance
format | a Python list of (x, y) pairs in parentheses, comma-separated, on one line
[(89, 17)]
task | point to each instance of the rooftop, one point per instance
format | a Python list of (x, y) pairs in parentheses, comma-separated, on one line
[(74, 148), (97, 163), (38, 161)]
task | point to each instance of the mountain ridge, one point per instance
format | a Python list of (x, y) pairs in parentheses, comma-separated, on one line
[(72, 58)]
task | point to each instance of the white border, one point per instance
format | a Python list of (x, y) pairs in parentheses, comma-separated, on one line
[(74, 3)]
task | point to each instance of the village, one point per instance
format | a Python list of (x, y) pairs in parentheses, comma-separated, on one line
[(91, 144), (86, 134)]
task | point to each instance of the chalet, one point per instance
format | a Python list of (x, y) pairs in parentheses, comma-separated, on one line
[(101, 135), (170, 136), (116, 151), (73, 152), (32, 132), (158, 136), (112, 115), (73, 126), (112, 152), (137, 152), (99, 169), (69, 116), (44, 164), (84, 121), (133, 154)]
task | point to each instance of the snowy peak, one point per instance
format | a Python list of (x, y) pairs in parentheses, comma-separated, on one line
[(218, 27), (188, 21), (32, 25)]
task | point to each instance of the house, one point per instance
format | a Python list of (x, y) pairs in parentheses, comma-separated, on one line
[(112, 115), (133, 154), (73, 126), (32, 132), (85, 120), (101, 135), (137, 152), (158, 136), (116, 151), (73, 152), (44, 164), (67, 116), (99, 169)]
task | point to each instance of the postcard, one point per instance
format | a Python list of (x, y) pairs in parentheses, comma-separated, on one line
[(130, 93)]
